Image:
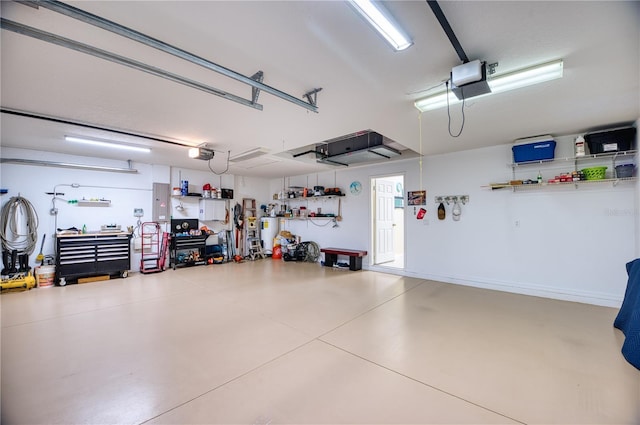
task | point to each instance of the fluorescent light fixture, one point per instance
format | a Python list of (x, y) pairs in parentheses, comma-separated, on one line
[(382, 21), (201, 153), (512, 80), (105, 144)]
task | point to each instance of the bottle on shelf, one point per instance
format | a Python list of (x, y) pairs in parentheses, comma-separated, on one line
[(84, 229), (580, 146), (539, 177)]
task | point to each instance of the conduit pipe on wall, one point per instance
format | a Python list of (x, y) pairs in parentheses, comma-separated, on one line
[(68, 165), (54, 211)]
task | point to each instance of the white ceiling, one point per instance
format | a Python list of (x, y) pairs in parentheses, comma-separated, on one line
[(302, 45)]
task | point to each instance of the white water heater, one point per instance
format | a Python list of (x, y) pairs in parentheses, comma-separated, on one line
[(268, 231)]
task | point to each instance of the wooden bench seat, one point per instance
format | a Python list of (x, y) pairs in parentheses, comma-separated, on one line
[(355, 257)]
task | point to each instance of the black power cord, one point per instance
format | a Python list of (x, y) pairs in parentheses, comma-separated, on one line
[(449, 112)]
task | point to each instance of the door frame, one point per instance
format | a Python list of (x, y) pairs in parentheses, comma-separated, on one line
[(372, 219)]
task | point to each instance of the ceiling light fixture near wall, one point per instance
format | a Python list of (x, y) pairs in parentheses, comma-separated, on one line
[(107, 144), (500, 83), (383, 22), (201, 153)]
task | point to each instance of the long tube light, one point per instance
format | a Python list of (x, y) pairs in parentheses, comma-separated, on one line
[(382, 22), (105, 144), (501, 83)]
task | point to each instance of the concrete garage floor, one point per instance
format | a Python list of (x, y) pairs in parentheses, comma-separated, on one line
[(273, 342)]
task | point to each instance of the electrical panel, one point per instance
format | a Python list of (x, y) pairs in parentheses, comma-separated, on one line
[(161, 204)]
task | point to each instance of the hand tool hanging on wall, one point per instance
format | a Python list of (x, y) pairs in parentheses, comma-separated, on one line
[(237, 220), (456, 211), (442, 214)]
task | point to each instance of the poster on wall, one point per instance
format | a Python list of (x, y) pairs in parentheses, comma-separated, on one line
[(418, 197)]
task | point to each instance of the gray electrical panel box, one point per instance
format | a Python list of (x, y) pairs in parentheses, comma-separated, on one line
[(161, 202)]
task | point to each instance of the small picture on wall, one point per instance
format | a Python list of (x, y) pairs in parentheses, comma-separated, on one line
[(418, 197)]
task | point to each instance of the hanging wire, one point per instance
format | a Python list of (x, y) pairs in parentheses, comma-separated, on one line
[(449, 112), (320, 225), (11, 211), (435, 86), (225, 170), (420, 131)]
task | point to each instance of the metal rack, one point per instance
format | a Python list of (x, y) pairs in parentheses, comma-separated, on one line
[(574, 161)]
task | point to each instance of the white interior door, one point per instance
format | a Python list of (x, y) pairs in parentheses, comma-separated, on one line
[(384, 206)]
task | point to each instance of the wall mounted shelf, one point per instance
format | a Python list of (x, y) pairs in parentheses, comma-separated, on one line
[(539, 186), (576, 159), (572, 162), (89, 203)]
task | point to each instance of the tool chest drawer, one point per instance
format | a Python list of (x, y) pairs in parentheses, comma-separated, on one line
[(92, 254)]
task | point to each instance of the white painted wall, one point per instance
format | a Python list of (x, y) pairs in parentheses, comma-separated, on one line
[(191, 205), (126, 192), (562, 243)]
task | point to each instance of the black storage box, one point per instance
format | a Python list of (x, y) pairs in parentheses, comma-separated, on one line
[(621, 139), (226, 193)]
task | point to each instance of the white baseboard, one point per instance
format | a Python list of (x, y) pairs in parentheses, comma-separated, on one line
[(585, 297)]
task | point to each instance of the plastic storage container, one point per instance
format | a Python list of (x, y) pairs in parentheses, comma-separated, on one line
[(541, 148), (621, 139), (595, 173), (624, 170)]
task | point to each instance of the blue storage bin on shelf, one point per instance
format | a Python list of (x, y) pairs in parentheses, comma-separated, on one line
[(540, 148)]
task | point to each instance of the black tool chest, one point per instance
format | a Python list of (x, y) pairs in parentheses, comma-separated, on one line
[(187, 250), (92, 254)]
